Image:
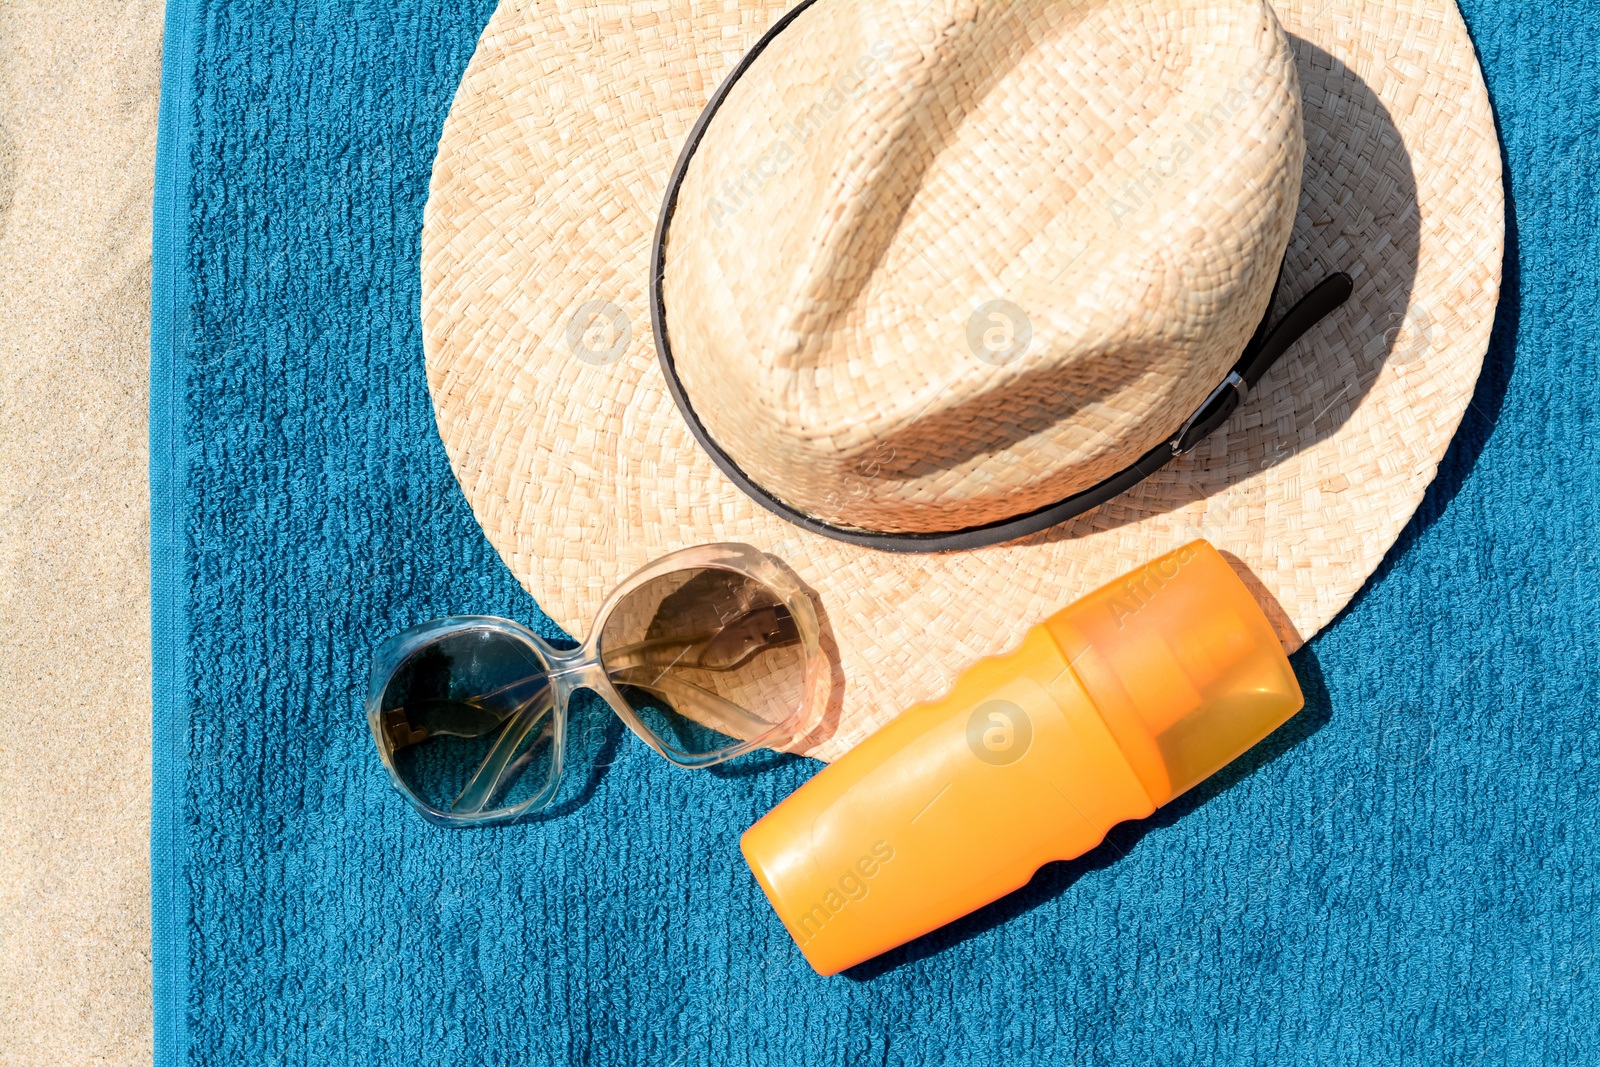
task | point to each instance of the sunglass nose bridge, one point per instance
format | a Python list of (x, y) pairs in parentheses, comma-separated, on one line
[(578, 672)]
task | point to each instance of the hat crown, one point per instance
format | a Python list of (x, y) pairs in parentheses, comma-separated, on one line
[(934, 265)]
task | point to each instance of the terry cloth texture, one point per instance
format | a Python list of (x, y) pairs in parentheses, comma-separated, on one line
[(1406, 873)]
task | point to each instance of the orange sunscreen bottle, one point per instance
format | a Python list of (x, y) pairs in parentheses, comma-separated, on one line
[(1107, 711)]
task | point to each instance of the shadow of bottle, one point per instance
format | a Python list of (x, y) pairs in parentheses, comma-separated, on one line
[(1054, 879)]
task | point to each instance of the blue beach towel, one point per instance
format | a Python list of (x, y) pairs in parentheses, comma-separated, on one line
[(1406, 874)]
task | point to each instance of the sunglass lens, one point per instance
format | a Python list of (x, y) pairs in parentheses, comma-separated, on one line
[(708, 660), (467, 720)]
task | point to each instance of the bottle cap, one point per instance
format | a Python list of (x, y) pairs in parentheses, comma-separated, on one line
[(1183, 665)]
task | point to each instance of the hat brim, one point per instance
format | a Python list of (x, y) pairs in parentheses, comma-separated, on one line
[(545, 195)]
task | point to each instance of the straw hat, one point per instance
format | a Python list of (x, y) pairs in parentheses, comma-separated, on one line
[(927, 269)]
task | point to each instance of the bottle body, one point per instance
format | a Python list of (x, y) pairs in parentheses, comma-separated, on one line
[(1105, 712)]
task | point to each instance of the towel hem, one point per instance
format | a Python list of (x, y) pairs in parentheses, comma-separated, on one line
[(169, 332)]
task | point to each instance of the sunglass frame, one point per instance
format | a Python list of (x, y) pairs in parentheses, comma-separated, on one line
[(572, 670)]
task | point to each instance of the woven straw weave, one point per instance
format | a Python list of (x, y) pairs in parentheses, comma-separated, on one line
[(545, 195), (1125, 174)]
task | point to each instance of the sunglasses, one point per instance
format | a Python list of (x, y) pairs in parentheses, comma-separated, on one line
[(706, 655)]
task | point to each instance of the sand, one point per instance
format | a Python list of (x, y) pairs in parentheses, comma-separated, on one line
[(79, 87)]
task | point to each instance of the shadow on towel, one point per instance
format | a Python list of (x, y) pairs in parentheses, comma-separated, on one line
[(1056, 878)]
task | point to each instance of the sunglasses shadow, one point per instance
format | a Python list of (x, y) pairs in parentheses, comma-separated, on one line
[(757, 763), (577, 790), (1054, 879), (833, 706)]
